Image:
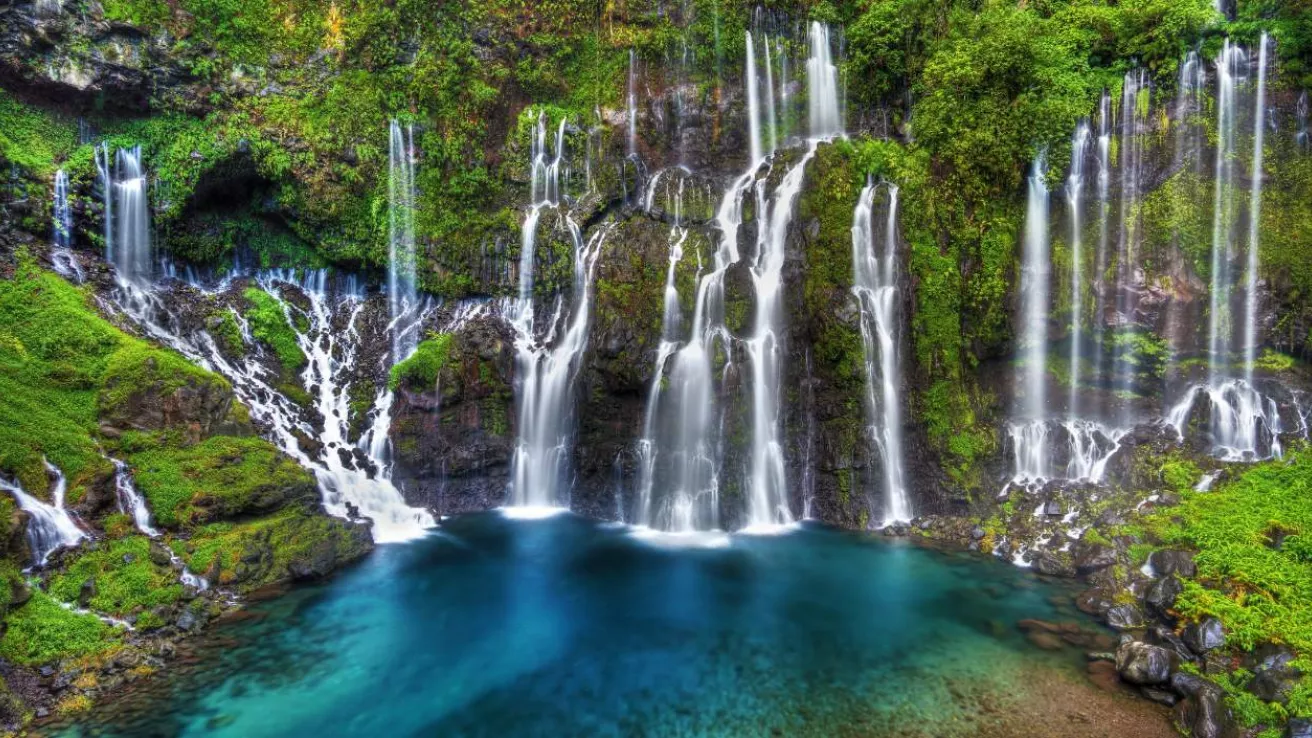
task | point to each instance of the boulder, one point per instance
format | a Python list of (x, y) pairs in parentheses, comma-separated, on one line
[(1124, 617), (87, 592), (1275, 684), (1141, 663), (1205, 635), (1299, 728), (1170, 561), (1089, 557), (1162, 595), (1053, 564), (1205, 715), (1160, 635)]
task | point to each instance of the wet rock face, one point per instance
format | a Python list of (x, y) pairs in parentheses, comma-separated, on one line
[(112, 65), (453, 441)]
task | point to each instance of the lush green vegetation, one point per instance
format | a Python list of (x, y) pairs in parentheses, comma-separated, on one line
[(268, 322), (41, 631), (290, 544), (220, 477), (125, 579), (424, 366), (1253, 538)]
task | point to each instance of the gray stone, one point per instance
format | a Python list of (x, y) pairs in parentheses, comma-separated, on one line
[(1205, 636), (1299, 728), (1162, 595), (1124, 617), (1140, 663), (1171, 561), (1205, 715)]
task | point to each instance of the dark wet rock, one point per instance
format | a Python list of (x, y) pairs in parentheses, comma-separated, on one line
[(1170, 561), (87, 592), (1141, 663), (1299, 727), (1089, 557), (1054, 564), (187, 620), (160, 554), (1094, 602), (1124, 617), (1160, 635), (1205, 635), (1204, 715), (1188, 685), (1161, 696), (1275, 684), (1162, 595)]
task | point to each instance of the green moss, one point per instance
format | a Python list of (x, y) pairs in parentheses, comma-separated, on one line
[(137, 370), (126, 580), (32, 138), (269, 324), (41, 631), (224, 328), (1180, 474), (290, 544), (222, 476), (423, 367)]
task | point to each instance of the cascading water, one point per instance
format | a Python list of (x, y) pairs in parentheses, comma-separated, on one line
[(547, 365), (1134, 116), (402, 297), (1029, 433), (1104, 159), (874, 284), (127, 215), (329, 338), (1301, 137), (61, 256), (130, 501), (49, 527), (632, 104), (1074, 200), (822, 85), (1245, 425), (679, 512)]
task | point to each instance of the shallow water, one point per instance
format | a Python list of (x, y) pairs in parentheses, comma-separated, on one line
[(565, 627)]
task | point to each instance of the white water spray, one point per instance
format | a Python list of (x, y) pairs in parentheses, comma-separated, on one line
[(402, 297)]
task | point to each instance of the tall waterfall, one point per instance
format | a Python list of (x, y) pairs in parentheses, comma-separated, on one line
[(1030, 430), (1104, 159), (752, 84), (1255, 213), (1300, 114), (1075, 202), (49, 525), (1134, 117), (632, 104), (678, 511), (61, 256), (822, 85), (1245, 425), (127, 214), (402, 298), (874, 284), (547, 365)]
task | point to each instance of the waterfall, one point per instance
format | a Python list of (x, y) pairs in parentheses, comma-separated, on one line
[(1030, 432), (1074, 200), (130, 501), (1035, 267), (61, 256), (783, 89), (1301, 137), (1104, 156), (49, 526), (632, 102), (769, 97), (127, 214), (325, 325), (679, 513), (547, 365), (1255, 214), (752, 84), (767, 502), (822, 85), (1245, 425), (402, 298), (1229, 67), (1134, 114), (874, 284)]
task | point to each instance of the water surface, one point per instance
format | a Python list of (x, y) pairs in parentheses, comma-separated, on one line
[(566, 627)]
